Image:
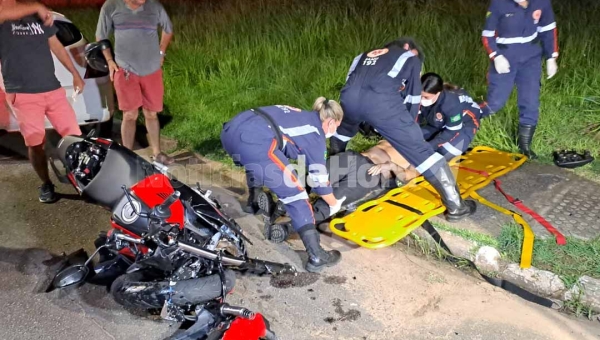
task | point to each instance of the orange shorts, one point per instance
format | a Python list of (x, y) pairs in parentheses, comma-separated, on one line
[(31, 109), (134, 91)]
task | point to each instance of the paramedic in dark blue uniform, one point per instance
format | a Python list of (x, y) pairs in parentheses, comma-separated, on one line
[(512, 35), (252, 139), (449, 117), (383, 89)]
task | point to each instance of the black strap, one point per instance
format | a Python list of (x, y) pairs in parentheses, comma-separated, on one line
[(506, 285), (272, 125)]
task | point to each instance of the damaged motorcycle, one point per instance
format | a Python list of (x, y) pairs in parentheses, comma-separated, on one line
[(170, 247)]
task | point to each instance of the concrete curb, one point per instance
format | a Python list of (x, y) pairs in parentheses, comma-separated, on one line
[(541, 282)]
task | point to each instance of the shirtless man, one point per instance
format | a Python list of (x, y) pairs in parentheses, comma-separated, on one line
[(363, 176), (389, 162)]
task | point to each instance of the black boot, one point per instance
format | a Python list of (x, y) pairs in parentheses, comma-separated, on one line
[(524, 140), (251, 206), (456, 208), (336, 146), (318, 258)]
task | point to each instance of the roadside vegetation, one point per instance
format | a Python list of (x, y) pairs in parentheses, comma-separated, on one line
[(232, 55)]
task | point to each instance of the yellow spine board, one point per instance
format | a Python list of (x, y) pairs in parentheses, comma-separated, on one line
[(382, 222)]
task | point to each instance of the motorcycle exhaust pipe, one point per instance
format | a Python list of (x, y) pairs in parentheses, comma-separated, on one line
[(254, 266)]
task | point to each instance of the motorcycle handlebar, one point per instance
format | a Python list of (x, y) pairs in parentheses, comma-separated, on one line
[(164, 210), (237, 311)]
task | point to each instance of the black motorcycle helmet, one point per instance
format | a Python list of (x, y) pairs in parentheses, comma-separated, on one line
[(94, 56)]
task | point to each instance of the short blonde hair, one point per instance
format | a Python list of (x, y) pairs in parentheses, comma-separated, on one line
[(328, 108)]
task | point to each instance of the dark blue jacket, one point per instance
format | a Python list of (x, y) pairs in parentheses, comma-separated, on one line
[(452, 112), (303, 136), (511, 26), (389, 70)]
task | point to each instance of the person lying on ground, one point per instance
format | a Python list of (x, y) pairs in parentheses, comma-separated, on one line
[(9, 10), (363, 176)]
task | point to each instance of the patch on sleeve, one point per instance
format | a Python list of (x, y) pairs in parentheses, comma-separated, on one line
[(455, 119), (487, 15)]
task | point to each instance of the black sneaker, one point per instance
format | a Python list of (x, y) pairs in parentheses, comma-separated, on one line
[(47, 194)]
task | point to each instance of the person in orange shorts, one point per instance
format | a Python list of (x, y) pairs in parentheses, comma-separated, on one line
[(33, 92), (136, 69)]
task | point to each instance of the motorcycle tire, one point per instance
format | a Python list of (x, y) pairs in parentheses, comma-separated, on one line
[(138, 290)]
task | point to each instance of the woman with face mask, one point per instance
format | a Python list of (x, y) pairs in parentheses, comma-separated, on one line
[(448, 116), (263, 139)]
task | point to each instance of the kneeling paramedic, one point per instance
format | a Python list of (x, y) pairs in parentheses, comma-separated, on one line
[(449, 117), (263, 139), (383, 89), (513, 30)]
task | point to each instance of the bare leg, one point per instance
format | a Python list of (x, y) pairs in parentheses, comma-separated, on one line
[(128, 128), (153, 127), (37, 157)]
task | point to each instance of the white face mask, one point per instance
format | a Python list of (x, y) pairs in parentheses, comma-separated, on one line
[(426, 102)]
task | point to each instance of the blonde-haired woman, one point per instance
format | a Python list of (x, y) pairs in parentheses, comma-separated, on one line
[(264, 139)]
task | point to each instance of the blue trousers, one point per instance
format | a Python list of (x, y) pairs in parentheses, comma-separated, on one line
[(247, 140), (458, 144), (383, 112), (526, 75)]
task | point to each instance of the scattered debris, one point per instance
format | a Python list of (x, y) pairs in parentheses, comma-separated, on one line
[(288, 281)]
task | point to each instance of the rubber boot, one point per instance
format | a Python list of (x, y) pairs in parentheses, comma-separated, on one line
[(336, 146), (445, 184), (318, 258), (251, 206), (525, 138)]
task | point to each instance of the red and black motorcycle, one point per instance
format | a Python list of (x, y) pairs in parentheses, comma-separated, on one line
[(170, 247)]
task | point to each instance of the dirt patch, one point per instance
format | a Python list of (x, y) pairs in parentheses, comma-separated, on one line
[(266, 297), (432, 305), (334, 280), (288, 281)]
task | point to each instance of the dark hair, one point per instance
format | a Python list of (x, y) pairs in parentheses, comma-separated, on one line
[(433, 83), (400, 42)]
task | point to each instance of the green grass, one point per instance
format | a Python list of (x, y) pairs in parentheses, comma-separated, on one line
[(571, 261), (577, 258), (232, 55)]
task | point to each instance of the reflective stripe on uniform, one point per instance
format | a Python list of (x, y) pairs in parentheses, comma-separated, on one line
[(488, 34), (410, 99), (299, 130), (301, 196), (342, 137), (429, 162), (353, 66), (547, 27), (452, 149), (516, 40), (400, 63), (454, 128)]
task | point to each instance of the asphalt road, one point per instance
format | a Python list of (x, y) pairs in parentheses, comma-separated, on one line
[(383, 294)]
